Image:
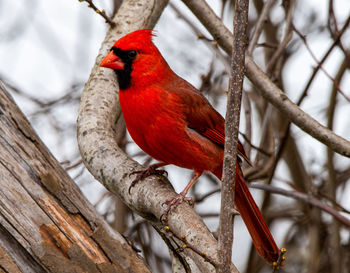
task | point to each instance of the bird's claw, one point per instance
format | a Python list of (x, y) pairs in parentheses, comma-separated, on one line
[(173, 203), (145, 173)]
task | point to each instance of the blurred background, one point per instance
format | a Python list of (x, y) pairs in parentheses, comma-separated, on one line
[(47, 50)]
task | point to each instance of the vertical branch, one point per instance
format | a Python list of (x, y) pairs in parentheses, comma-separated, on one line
[(334, 244), (225, 237), (260, 25)]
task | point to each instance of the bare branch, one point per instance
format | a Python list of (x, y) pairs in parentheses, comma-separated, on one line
[(288, 34), (100, 12), (225, 236), (307, 198), (260, 25), (265, 86), (319, 64), (324, 58)]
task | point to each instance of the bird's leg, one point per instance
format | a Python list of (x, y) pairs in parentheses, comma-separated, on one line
[(152, 169), (174, 202)]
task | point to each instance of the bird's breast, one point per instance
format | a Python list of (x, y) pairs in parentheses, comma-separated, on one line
[(151, 118), (156, 121)]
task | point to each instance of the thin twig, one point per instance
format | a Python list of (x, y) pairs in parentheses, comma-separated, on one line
[(259, 25), (332, 184), (287, 129), (74, 165), (212, 45), (264, 152), (175, 251), (288, 34), (100, 12), (334, 32), (248, 124), (187, 244), (206, 195), (319, 64), (317, 68), (225, 236), (283, 144), (307, 198)]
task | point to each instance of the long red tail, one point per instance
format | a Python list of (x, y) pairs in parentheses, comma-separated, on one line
[(253, 219)]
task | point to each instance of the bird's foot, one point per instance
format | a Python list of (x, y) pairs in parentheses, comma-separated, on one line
[(145, 173), (173, 203)]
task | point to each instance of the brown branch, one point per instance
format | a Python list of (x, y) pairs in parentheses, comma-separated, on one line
[(74, 165), (319, 64), (179, 259), (212, 45), (100, 12), (288, 34), (335, 32), (247, 139), (225, 236), (248, 124), (282, 145), (188, 245), (260, 25), (324, 58), (265, 86), (201, 198), (285, 136), (307, 198), (332, 184)]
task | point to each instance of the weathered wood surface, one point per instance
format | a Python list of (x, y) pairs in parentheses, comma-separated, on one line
[(46, 224)]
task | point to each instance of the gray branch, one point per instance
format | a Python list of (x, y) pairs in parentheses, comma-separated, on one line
[(225, 236)]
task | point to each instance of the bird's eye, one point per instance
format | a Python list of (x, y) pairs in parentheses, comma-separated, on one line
[(132, 54)]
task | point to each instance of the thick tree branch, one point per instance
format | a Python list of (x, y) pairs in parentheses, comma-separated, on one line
[(98, 114), (225, 237), (265, 86), (46, 224)]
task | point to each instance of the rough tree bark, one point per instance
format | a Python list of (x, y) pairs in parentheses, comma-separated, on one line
[(233, 110), (46, 224)]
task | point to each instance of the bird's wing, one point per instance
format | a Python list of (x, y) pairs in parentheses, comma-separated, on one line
[(201, 116)]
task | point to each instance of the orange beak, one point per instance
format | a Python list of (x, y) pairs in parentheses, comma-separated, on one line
[(112, 61)]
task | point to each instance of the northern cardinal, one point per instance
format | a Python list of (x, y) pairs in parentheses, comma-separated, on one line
[(171, 121)]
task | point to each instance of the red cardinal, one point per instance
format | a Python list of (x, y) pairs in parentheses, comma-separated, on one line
[(172, 122)]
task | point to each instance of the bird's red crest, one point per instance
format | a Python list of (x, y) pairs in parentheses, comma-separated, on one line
[(137, 39)]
